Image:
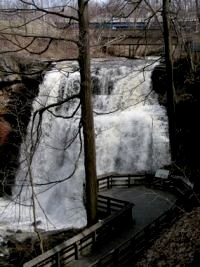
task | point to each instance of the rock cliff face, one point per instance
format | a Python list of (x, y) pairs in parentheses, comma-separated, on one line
[(18, 87), (5, 129), (187, 84)]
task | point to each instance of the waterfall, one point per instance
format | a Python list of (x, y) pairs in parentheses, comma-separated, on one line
[(131, 136)]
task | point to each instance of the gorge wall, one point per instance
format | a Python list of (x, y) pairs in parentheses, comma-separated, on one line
[(187, 84), (19, 81)]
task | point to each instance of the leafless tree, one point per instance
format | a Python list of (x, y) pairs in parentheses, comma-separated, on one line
[(22, 36), (67, 22), (197, 10), (171, 98)]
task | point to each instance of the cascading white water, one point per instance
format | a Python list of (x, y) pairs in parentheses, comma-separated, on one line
[(131, 136)]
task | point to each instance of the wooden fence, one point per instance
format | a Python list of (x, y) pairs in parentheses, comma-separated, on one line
[(122, 180), (117, 212), (108, 205), (174, 184), (130, 249)]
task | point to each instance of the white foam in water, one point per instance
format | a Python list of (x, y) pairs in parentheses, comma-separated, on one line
[(131, 136)]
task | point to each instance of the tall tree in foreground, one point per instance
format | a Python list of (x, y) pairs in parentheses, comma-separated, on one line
[(87, 112), (197, 9), (171, 98), (71, 12)]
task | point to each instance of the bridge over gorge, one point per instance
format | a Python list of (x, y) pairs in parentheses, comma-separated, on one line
[(133, 42), (133, 209)]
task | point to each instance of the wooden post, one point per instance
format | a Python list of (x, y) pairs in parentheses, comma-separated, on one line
[(116, 257), (94, 235), (58, 259), (129, 181), (76, 251), (108, 206), (132, 244), (108, 182), (99, 263)]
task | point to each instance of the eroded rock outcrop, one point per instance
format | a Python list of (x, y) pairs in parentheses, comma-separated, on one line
[(5, 129), (19, 82), (187, 84)]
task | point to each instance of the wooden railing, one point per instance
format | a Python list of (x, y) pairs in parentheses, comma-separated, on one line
[(174, 184), (81, 244), (117, 211), (110, 180), (129, 250), (107, 205)]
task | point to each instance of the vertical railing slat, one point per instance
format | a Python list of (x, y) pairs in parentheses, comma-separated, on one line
[(58, 259)]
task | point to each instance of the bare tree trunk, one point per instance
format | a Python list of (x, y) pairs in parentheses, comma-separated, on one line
[(87, 113), (171, 96), (197, 10)]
